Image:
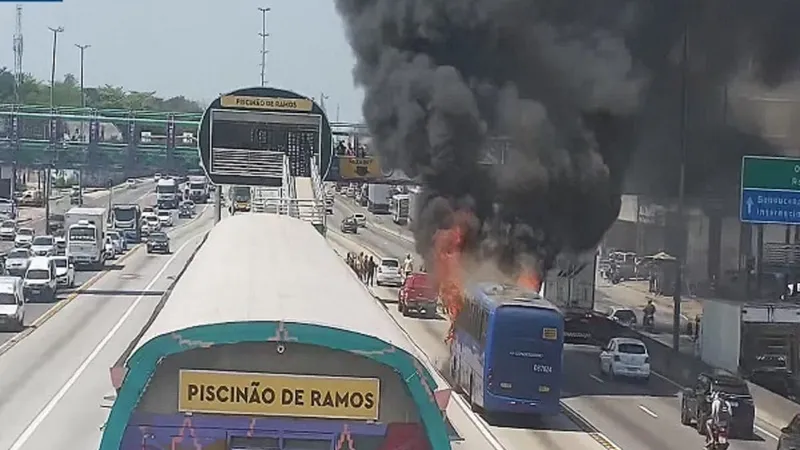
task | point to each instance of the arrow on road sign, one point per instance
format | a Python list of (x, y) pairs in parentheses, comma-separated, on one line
[(749, 205)]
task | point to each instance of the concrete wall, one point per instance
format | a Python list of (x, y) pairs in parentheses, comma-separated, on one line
[(161, 396)]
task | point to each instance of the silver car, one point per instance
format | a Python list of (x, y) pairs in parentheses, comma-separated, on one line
[(43, 246), (17, 262)]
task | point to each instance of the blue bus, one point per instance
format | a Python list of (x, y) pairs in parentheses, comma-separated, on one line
[(506, 352)]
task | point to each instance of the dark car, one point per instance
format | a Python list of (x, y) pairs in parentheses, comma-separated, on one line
[(696, 404), (349, 225), (158, 242), (184, 212), (790, 435)]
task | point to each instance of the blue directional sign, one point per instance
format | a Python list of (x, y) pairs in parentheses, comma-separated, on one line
[(766, 206), (770, 190)]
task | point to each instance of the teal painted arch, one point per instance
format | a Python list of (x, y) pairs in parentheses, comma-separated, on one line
[(143, 362)]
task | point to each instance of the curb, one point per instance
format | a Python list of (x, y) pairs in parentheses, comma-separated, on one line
[(59, 305)]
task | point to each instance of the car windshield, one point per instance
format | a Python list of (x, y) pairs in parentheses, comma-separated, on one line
[(60, 262), (7, 298), (19, 254), (25, 232), (152, 219), (160, 237), (113, 235), (390, 263), (38, 274), (8, 224), (163, 214), (632, 349), (360, 216), (148, 210), (42, 240)]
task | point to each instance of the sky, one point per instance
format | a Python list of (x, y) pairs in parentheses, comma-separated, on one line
[(197, 49)]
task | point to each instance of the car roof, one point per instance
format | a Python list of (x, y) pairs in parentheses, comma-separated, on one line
[(389, 258), (26, 229), (19, 250), (627, 340), (39, 262), (44, 236)]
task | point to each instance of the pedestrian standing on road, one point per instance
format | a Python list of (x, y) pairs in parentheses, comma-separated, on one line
[(371, 271)]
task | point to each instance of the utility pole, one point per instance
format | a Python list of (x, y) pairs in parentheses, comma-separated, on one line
[(322, 98), (82, 48), (264, 35), (55, 32), (18, 73), (680, 226)]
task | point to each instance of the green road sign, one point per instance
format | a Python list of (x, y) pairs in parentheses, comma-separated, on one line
[(764, 172)]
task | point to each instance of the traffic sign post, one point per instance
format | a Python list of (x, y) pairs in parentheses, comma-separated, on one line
[(770, 190)]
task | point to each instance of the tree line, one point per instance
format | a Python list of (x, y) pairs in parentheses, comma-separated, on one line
[(67, 92)]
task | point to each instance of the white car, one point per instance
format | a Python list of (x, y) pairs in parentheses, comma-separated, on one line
[(154, 222), (190, 204), (623, 316), (625, 357), (389, 273), (361, 219), (8, 229), (65, 272), (165, 217), (24, 237), (17, 262), (43, 246), (131, 183)]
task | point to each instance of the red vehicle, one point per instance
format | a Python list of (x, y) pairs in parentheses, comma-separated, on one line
[(416, 296)]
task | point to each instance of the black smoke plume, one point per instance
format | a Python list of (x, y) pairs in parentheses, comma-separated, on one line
[(588, 92)]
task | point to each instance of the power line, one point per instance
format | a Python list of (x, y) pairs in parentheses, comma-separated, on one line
[(264, 35)]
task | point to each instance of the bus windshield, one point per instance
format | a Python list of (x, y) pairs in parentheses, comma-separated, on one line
[(525, 353), (124, 214), (166, 189), (81, 234)]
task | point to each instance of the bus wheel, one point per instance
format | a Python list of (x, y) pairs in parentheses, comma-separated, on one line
[(472, 404)]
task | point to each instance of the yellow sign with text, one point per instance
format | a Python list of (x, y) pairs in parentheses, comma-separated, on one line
[(352, 168), (261, 394), (266, 103)]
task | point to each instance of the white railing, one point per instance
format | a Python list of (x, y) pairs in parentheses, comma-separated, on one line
[(303, 209), (316, 182)]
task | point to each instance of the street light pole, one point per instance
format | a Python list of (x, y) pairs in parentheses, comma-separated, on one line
[(264, 35), (82, 48), (55, 32), (681, 247)]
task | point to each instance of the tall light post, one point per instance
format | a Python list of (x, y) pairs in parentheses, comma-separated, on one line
[(680, 226), (82, 49), (264, 35), (55, 32)]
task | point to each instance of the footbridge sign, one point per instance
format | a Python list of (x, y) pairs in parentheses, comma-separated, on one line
[(245, 134), (770, 191)]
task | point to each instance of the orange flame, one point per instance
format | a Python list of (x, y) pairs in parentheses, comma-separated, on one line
[(448, 246), (529, 279)]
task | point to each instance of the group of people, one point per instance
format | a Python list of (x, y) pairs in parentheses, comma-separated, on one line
[(364, 266), (720, 414)]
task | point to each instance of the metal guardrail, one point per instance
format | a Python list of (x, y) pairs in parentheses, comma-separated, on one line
[(288, 186), (303, 209)]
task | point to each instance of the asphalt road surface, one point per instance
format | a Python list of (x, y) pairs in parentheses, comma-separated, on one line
[(56, 388), (143, 195), (630, 416)]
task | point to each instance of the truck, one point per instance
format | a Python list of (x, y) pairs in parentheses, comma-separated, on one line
[(198, 189), (240, 198), (167, 195), (570, 285), (127, 219), (400, 208), (86, 228), (414, 202), (378, 196)]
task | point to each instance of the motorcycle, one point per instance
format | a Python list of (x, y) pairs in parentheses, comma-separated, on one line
[(649, 322)]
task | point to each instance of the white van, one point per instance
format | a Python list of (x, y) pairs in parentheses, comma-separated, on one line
[(41, 280), (12, 303)]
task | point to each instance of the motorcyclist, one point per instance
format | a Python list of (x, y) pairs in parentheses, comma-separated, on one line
[(720, 414)]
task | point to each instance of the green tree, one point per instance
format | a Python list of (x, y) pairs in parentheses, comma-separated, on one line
[(67, 92)]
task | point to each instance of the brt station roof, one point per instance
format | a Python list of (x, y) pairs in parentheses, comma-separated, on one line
[(267, 325)]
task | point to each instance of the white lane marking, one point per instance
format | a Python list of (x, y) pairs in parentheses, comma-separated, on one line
[(596, 378), (48, 408), (650, 413), (765, 432)]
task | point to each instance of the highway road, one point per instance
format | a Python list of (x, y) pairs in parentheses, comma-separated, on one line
[(142, 194), (626, 415), (56, 390)]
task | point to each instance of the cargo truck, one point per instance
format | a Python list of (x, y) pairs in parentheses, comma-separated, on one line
[(127, 219), (198, 188), (167, 195), (86, 229), (400, 208), (378, 196), (570, 285)]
